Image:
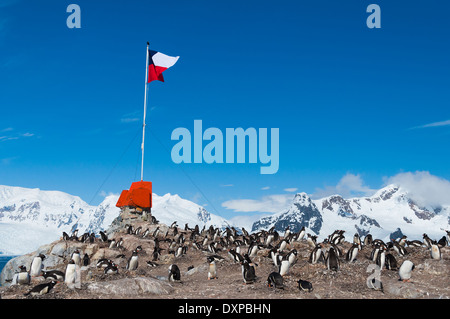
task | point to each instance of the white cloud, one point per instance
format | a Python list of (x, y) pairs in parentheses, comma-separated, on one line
[(227, 185), (267, 204), (434, 124), (424, 188), (291, 190), (349, 185), (246, 221), (265, 188)]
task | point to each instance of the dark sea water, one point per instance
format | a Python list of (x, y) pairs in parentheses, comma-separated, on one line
[(4, 260)]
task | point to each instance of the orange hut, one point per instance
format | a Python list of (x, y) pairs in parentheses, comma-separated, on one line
[(139, 197)]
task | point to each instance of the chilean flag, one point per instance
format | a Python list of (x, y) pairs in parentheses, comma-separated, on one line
[(157, 64)]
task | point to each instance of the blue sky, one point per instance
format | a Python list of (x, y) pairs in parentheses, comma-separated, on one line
[(353, 105)]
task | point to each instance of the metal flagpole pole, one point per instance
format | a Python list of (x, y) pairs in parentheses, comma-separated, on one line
[(145, 111)]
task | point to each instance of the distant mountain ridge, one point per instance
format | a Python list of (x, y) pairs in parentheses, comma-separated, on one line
[(390, 210), (33, 217)]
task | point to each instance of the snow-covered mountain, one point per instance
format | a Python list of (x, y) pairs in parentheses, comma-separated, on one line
[(30, 218), (391, 210)]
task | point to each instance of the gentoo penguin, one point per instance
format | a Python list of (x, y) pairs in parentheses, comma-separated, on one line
[(390, 262), (301, 234), (435, 251), (304, 285), (71, 274), (400, 249), (427, 240), (253, 249), (368, 240), (133, 263), (381, 258), (283, 267), (248, 272), (103, 237), (275, 280), (332, 260), (86, 260), (352, 252), (23, 277), (112, 244), (174, 273), (283, 244), (316, 254), (103, 263), (66, 236), (442, 242), (292, 256), (402, 241), (212, 270), (56, 275), (36, 265), (152, 264), (76, 257), (311, 240), (274, 255), (405, 270), (41, 289), (111, 269)]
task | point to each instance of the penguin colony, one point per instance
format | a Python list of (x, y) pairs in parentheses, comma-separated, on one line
[(224, 248)]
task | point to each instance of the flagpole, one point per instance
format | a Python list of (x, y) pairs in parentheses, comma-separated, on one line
[(145, 112)]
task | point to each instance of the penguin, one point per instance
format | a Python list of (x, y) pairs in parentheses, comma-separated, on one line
[(41, 289), (235, 256), (374, 253), (352, 252), (212, 270), (133, 263), (402, 241), (414, 243), (103, 237), (356, 239), (248, 272), (36, 265), (292, 256), (283, 245), (301, 234), (112, 244), (71, 274), (390, 262), (86, 260), (174, 273), (103, 263), (275, 280), (283, 267), (66, 237), (442, 242), (56, 275), (111, 269), (252, 249), (400, 249), (332, 260), (368, 240), (274, 255), (76, 257), (217, 258), (304, 285), (152, 264), (405, 270), (435, 251), (311, 240), (316, 254), (427, 241), (23, 277), (381, 258)]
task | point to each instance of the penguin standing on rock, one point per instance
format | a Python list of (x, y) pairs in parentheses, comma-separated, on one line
[(212, 270), (435, 251), (405, 270), (36, 265), (71, 274), (248, 272), (23, 277), (352, 252), (332, 260), (275, 280), (133, 261), (174, 273), (283, 267), (76, 257)]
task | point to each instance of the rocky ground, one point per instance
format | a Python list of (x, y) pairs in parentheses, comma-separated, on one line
[(430, 278)]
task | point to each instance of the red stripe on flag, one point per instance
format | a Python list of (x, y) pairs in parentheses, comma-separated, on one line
[(155, 73)]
